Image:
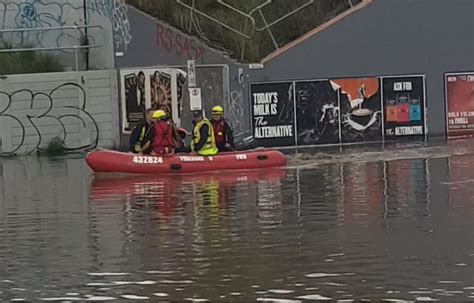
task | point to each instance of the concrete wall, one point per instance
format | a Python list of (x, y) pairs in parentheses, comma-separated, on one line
[(111, 15), (156, 43), (387, 37), (81, 108)]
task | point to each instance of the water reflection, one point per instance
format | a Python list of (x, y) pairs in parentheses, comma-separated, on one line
[(379, 230)]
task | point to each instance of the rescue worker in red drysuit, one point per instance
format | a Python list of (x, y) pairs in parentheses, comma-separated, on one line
[(223, 133), (161, 137)]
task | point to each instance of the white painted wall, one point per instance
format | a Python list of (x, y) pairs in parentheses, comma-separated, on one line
[(32, 108)]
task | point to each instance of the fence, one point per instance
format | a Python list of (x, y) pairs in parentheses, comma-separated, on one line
[(77, 36)]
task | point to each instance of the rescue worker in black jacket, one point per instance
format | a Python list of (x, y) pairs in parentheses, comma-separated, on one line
[(139, 133)]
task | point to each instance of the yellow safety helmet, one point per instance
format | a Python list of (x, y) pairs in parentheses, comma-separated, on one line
[(159, 114), (217, 110)]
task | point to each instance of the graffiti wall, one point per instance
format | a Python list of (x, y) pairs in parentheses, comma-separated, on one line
[(110, 15), (339, 111), (150, 88), (77, 109), (459, 89), (173, 41)]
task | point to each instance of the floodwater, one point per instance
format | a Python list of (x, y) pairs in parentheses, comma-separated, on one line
[(398, 229)]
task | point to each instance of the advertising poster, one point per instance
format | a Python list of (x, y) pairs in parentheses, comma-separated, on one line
[(404, 107), (150, 88), (273, 114), (160, 84), (360, 109), (317, 113), (134, 97), (460, 105)]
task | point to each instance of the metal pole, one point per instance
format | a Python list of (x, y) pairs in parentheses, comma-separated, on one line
[(76, 49), (268, 29), (86, 34)]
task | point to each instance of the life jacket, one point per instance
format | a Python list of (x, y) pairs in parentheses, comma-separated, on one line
[(219, 132), (162, 141), (209, 148)]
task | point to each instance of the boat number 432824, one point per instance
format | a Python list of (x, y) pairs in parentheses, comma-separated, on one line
[(147, 160)]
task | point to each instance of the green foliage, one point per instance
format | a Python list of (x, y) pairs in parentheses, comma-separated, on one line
[(27, 62), (261, 44)]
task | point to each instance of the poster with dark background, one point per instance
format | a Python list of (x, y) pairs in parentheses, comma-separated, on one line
[(317, 113), (134, 98), (360, 106), (460, 105), (403, 100), (273, 114)]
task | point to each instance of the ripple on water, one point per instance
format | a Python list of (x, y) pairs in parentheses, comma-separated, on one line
[(62, 299), (196, 300), (104, 274), (134, 297), (325, 275), (100, 298), (314, 297), (281, 291), (177, 281), (274, 300), (449, 282), (333, 284)]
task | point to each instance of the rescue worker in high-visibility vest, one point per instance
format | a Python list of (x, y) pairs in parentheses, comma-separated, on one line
[(139, 133), (203, 142), (223, 133), (161, 137)]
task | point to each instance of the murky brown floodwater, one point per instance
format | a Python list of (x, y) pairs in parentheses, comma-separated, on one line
[(382, 230)]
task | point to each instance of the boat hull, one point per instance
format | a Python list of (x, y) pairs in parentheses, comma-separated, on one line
[(106, 161)]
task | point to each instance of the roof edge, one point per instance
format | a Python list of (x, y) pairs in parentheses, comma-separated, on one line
[(315, 31)]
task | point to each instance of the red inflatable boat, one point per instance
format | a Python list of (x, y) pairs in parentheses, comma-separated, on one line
[(107, 161)]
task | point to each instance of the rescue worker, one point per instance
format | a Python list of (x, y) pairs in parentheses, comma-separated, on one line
[(222, 131), (203, 142), (179, 135), (160, 137), (139, 133)]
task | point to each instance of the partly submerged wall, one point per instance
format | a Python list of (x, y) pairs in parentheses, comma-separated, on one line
[(81, 108), (384, 38)]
